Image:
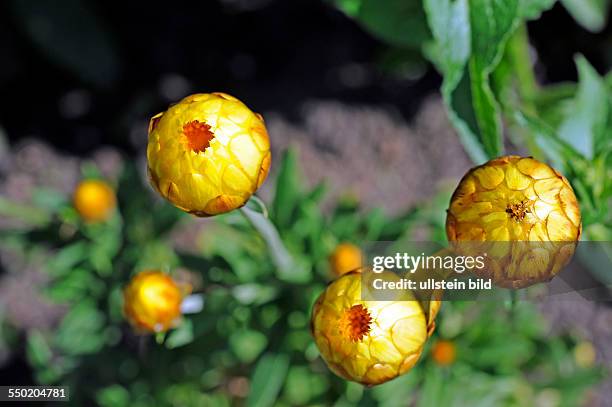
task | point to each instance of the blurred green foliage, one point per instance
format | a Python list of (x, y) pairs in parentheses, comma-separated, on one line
[(251, 344)]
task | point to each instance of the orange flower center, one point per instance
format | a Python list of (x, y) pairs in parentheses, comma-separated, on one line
[(517, 211), (198, 135), (355, 324)]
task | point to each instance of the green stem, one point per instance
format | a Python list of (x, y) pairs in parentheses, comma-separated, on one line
[(280, 256), (513, 305)]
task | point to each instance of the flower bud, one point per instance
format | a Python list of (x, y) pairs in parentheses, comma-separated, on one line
[(444, 353), (152, 301), (208, 153), (94, 200), (345, 257), (521, 213), (369, 342)]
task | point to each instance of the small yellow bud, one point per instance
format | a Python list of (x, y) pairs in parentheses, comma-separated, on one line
[(94, 200), (520, 212), (208, 153), (585, 355), (152, 301), (345, 257), (444, 353), (369, 342)]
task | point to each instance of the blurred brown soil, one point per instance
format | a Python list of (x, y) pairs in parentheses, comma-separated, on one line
[(371, 152)]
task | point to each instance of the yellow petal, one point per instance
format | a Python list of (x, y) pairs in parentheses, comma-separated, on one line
[(560, 228), (569, 203), (489, 177), (534, 168), (548, 189), (515, 179)]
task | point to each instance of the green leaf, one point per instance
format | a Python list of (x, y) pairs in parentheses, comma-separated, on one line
[(267, 379), (486, 110), (303, 385), (459, 102), (492, 22), (31, 215), (470, 38), (288, 190), (38, 351), (433, 392), (247, 345), (591, 14), (557, 149), (74, 286), (81, 330), (48, 199), (449, 23), (398, 22), (113, 396), (254, 293), (398, 392), (555, 102), (585, 127), (181, 336), (67, 258)]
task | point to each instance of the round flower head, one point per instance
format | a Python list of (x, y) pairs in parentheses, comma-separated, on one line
[(520, 212), (444, 353), (208, 153), (369, 342), (345, 257), (152, 301), (94, 200)]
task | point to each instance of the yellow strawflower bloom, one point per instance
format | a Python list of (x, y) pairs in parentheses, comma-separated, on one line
[(152, 301), (345, 257), (519, 211), (369, 342), (208, 153), (94, 200)]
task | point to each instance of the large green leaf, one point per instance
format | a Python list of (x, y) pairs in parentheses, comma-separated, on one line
[(469, 40), (492, 22), (450, 25)]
